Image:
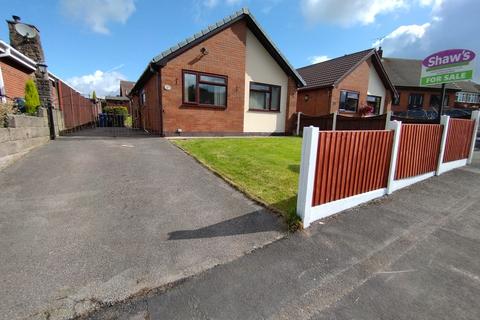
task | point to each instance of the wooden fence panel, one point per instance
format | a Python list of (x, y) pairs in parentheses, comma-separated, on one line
[(419, 149), (351, 163), (77, 110), (321, 122), (459, 139), (361, 123)]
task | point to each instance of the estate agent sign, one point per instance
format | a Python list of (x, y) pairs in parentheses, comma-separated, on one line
[(447, 66)]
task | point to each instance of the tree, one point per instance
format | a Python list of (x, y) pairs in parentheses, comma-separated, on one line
[(94, 96), (32, 100)]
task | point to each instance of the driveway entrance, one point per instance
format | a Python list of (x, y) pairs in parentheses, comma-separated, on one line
[(88, 220)]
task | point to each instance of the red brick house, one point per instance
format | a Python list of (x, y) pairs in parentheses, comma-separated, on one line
[(125, 87), (229, 79), (15, 70), (345, 84), (405, 75), (468, 96)]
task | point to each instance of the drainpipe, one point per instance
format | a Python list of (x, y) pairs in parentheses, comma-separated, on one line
[(159, 98)]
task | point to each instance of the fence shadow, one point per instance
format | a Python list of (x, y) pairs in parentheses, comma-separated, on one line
[(253, 222)]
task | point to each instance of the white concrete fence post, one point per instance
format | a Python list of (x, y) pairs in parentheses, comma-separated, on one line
[(444, 120), (298, 123), (334, 121), (476, 118), (387, 120), (307, 174), (396, 126)]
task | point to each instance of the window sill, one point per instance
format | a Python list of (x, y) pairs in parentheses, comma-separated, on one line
[(260, 110), (202, 106)]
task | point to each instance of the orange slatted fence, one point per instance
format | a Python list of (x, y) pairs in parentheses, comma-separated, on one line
[(419, 149), (351, 163), (459, 139), (77, 110)]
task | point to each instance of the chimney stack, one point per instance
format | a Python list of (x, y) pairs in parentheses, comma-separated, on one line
[(380, 52)]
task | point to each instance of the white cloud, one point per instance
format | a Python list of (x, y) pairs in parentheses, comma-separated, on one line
[(348, 12), (454, 24), (104, 83), (404, 36), (318, 59), (97, 14), (214, 3)]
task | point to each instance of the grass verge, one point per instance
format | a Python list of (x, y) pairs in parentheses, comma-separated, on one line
[(266, 169)]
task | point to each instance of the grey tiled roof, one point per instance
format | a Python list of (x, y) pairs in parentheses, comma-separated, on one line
[(406, 72), (328, 72), (183, 45), (468, 86)]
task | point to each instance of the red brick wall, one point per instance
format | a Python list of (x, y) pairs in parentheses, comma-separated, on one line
[(357, 81), (226, 57), (292, 95), (14, 78), (405, 93), (318, 102)]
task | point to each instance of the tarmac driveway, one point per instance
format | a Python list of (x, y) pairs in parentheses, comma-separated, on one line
[(87, 221)]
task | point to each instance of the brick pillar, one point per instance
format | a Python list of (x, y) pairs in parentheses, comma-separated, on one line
[(43, 87)]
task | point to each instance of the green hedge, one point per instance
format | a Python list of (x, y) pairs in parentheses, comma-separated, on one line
[(116, 110)]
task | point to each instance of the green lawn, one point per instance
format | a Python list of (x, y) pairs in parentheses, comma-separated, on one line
[(267, 169)]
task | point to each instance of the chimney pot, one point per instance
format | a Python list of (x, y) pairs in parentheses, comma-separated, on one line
[(380, 52), (16, 18)]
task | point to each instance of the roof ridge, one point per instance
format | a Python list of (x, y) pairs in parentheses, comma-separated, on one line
[(339, 57), (201, 33), (396, 58)]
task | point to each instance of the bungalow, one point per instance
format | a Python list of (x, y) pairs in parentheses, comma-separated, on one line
[(229, 79), (405, 75), (468, 96), (346, 84)]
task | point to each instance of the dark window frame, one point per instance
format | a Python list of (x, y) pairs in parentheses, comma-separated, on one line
[(396, 100), (416, 94), (198, 74), (380, 104), (340, 101), (266, 91)]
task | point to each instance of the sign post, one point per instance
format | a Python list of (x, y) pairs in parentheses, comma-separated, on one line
[(445, 67)]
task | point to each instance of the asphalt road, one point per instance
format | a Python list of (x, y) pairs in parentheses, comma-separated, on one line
[(89, 220), (412, 255)]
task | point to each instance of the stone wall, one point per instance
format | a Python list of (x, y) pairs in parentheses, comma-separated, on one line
[(25, 133)]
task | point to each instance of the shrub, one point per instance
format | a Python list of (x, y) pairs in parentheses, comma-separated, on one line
[(128, 122), (32, 100), (116, 110), (5, 109)]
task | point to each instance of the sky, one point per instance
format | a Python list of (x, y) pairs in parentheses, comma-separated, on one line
[(92, 44)]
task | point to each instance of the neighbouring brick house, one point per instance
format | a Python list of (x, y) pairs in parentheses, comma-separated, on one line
[(468, 96), (345, 84), (405, 75), (15, 70), (117, 101), (228, 79), (125, 87)]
